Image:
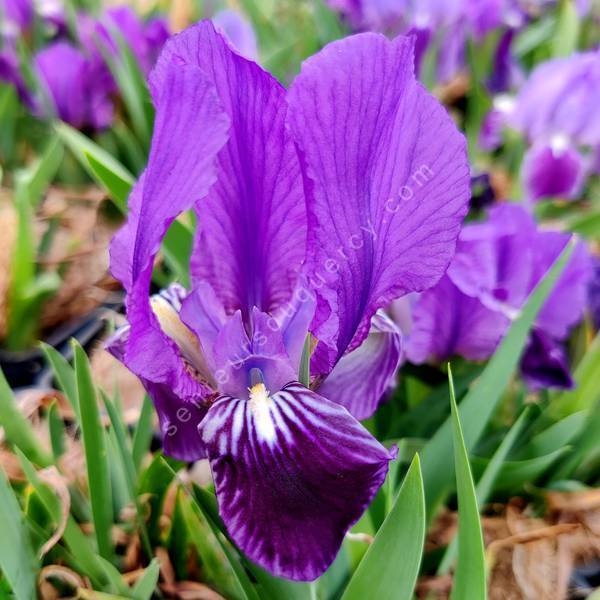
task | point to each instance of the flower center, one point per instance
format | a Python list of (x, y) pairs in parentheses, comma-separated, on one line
[(260, 405)]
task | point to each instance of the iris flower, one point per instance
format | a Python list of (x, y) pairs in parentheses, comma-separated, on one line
[(497, 265), (73, 88), (316, 207), (558, 113)]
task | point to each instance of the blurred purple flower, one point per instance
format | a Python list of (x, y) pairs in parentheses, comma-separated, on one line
[(497, 265), (316, 207), (560, 99), (553, 170), (17, 15), (71, 89), (145, 40), (557, 110)]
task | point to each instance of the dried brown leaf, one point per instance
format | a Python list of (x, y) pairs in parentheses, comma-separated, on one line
[(52, 478)]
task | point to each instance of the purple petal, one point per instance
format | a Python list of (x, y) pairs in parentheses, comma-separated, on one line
[(202, 312), (422, 38), (502, 260), (362, 377), (20, 13), (560, 97), (484, 16), (178, 420), (237, 354), (130, 26), (594, 293), (250, 240), (505, 68), (10, 73), (68, 78), (490, 134), (292, 472), (388, 182), (544, 364), (567, 301), (238, 32), (553, 171), (293, 319), (190, 128), (156, 33), (447, 322), (494, 260), (451, 54)]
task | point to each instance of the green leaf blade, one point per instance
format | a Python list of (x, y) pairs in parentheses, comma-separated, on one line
[(470, 575), (389, 569), (94, 443), (17, 557)]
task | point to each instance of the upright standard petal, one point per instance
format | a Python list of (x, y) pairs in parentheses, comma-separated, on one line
[(250, 240), (362, 377), (387, 180), (190, 129), (293, 471)]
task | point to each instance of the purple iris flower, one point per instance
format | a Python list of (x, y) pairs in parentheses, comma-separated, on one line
[(316, 207), (496, 266), (557, 110), (71, 88)]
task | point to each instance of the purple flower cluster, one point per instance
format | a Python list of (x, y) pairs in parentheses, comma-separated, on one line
[(316, 207), (496, 266)]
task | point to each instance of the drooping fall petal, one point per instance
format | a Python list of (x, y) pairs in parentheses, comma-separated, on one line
[(293, 472)]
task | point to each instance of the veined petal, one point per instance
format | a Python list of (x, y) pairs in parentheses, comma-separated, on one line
[(251, 234), (238, 31), (189, 130), (178, 419), (387, 180), (293, 472), (361, 378)]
